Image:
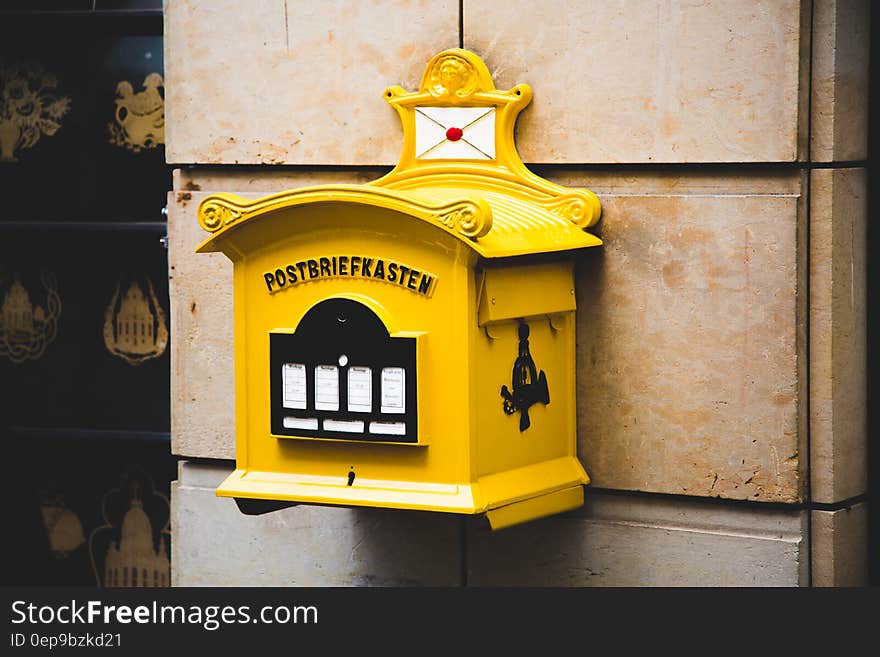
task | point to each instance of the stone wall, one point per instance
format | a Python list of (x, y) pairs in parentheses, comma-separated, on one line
[(721, 410)]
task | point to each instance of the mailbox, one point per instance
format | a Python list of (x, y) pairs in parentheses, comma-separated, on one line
[(410, 343)]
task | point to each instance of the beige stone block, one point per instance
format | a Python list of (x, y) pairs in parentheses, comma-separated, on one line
[(838, 341), (629, 540), (216, 545), (284, 82), (200, 290), (840, 547), (648, 80), (200, 286), (689, 336), (839, 92)]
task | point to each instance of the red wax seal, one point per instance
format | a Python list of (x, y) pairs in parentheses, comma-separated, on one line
[(454, 134)]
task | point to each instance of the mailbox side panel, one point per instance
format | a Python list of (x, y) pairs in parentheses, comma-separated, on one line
[(524, 445)]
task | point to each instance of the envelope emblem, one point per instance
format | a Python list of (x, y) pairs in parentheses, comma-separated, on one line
[(455, 133)]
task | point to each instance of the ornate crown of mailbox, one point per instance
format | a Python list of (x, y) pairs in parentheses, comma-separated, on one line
[(410, 343)]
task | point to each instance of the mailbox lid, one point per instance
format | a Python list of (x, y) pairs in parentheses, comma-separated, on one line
[(525, 290), (522, 221), (494, 224)]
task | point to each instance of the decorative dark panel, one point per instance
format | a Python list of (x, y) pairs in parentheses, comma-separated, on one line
[(128, 129), (82, 506), (108, 364), (43, 114), (98, 88), (84, 322)]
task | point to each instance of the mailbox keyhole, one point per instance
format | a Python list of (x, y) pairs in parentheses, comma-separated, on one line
[(350, 477)]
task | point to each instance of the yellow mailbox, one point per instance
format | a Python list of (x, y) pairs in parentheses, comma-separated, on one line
[(410, 343)]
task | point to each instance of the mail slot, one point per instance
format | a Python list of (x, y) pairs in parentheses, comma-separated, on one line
[(410, 343)]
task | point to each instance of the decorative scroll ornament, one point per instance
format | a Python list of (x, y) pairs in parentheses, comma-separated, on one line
[(214, 213), (581, 208), (468, 218), (29, 107), (25, 330), (140, 117), (135, 328), (127, 551)]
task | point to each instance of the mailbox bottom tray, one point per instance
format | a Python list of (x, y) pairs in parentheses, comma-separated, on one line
[(507, 498)]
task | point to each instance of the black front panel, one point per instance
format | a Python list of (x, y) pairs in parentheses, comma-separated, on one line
[(341, 376)]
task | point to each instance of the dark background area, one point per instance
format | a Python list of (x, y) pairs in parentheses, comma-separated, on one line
[(873, 313), (87, 433)]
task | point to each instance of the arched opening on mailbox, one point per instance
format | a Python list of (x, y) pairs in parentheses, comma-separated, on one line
[(341, 376)]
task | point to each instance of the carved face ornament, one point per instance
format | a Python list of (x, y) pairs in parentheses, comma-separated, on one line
[(453, 76)]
